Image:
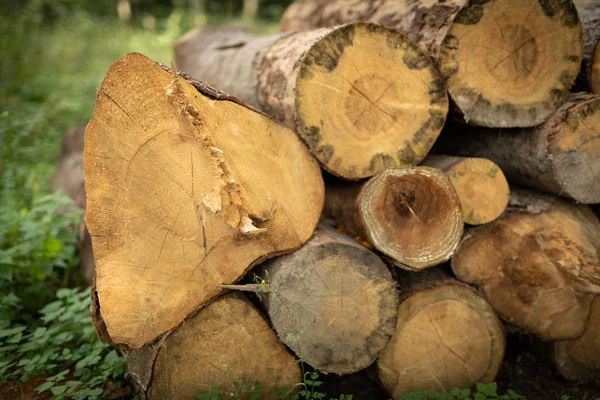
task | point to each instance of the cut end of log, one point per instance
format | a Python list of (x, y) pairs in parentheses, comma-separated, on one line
[(368, 99), (225, 342), (480, 184), (321, 291), (538, 270), (412, 215), (447, 336), (186, 189), (574, 149), (578, 360), (511, 63)]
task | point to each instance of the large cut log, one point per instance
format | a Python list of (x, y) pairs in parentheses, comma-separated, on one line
[(561, 156), (447, 336), (315, 296), (538, 264), (480, 184), (589, 77), (412, 215), (224, 343), (362, 97), (578, 360), (187, 189), (509, 63)]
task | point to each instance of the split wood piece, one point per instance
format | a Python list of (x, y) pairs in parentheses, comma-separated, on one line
[(447, 336), (225, 342), (316, 295), (480, 184), (508, 63), (187, 189), (537, 265), (578, 360), (69, 176), (411, 215), (562, 156), (589, 77), (363, 98)]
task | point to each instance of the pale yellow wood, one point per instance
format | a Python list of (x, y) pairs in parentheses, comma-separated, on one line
[(228, 341), (185, 192)]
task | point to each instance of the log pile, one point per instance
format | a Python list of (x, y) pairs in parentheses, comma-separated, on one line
[(191, 190)]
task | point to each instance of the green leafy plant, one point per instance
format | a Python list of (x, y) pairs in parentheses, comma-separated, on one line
[(241, 390), (64, 348), (481, 391)]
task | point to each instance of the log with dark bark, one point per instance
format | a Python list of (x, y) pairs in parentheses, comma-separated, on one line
[(578, 360), (187, 188), (561, 156), (480, 184), (509, 63), (225, 342), (447, 336), (316, 295), (589, 77), (362, 97), (538, 264), (412, 215)]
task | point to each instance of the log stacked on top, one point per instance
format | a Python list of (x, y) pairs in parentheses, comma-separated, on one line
[(188, 189)]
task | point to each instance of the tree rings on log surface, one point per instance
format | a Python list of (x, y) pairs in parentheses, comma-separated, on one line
[(447, 336), (537, 265), (225, 342), (511, 63), (186, 189), (367, 98)]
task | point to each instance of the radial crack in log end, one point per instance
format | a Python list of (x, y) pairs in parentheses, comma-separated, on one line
[(186, 189), (538, 270), (447, 336)]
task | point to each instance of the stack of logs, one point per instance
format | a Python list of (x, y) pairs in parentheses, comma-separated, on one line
[(190, 190)]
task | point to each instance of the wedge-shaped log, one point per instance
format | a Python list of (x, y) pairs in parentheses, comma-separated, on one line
[(537, 264), (224, 343), (562, 156), (316, 295), (578, 360), (187, 189), (412, 215), (480, 184), (447, 336), (362, 97), (508, 63)]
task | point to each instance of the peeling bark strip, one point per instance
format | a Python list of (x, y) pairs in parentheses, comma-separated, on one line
[(509, 63), (411, 215), (447, 336), (578, 360), (223, 343), (480, 184), (186, 190), (589, 76), (562, 156), (357, 116), (316, 295), (537, 264)]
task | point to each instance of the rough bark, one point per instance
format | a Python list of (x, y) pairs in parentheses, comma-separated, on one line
[(561, 156), (447, 336), (315, 296), (362, 97), (578, 360), (187, 189), (508, 63), (537, 265), (480, 184), (588, 79), (412, 215), (225, 342)]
